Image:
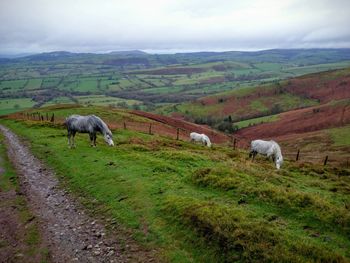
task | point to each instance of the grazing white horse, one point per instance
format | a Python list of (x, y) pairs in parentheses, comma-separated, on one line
[(196, 137), (268, 148), (88, 124)]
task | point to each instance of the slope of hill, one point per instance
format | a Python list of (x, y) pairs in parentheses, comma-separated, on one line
[(193, 204), (246, 103), (126, 119)]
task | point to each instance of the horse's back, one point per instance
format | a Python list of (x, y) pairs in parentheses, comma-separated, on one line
[(194, 135), (261, 146)]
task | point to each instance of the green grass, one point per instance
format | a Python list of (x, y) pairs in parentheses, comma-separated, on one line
[(340, 136), (59, 100), (246, 123), (86, 85), (33, 84), (103, 100), (8, 106), (194, 204), (50, 83), (12, 85)]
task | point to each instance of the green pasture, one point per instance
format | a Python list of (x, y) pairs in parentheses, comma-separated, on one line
[(50, 83), (340, 136), (12, 85), (59, 100), (13, 105), (246, 123), (86, 85), (194, 204), (33, 84), (103, 100)]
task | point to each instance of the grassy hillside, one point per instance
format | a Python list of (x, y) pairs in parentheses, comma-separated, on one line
[(194, 204), (269, 99)]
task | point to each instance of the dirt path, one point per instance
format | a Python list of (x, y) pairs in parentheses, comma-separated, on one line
[(71, 235), (18, 227)]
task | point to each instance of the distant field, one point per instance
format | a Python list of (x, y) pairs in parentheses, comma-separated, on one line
[(12, 85), (12, 105), (33, 84), (158, 79), (102, 100), (246, 123), (340, 136), (59, 100)]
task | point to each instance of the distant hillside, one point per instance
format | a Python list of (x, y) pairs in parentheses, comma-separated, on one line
[(279, 96), (135, 79), (296, 56)]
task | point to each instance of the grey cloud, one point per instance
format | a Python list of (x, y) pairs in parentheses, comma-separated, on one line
[(92, 25)]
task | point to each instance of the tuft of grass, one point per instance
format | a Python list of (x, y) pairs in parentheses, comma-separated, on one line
[(243, 238)]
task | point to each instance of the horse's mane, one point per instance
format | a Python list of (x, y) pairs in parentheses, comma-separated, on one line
[(100, 123)]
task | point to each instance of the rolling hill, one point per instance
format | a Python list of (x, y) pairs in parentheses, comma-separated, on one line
[(189, 203), (145, 81)]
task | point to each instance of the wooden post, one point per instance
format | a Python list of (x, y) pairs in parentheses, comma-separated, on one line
[(297, 158), (325, 160), (150, 129), (42, 117), (177, 133), (52, 117), (124, 125), (234, 143)]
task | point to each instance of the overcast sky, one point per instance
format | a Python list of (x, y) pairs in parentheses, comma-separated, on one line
[(172, 25)]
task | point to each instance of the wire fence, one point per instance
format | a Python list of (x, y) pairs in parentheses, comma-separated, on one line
[(180, 133)]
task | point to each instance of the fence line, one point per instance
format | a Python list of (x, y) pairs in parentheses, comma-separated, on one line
[(183, 134)]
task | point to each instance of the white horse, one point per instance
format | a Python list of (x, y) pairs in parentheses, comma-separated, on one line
[(88, 124), (268, 148), (196, 137)]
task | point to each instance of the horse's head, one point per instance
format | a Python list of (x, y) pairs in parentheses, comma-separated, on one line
[(109, 139), (279, 162)]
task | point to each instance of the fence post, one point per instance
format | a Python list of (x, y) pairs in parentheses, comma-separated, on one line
[(42, 117), (234, 143), (124, 125), (52, 117), (325, 160), (177, 133), (297, 157), (150, 129)]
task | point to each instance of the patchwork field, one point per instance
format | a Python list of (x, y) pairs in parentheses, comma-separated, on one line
[(157, 79), (190, 203)]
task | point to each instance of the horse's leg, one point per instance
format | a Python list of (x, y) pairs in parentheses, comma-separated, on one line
[(273, 158), (254, 154), (250, 154), (95, 139), (91, 139), (73, 135), (69, 142)]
